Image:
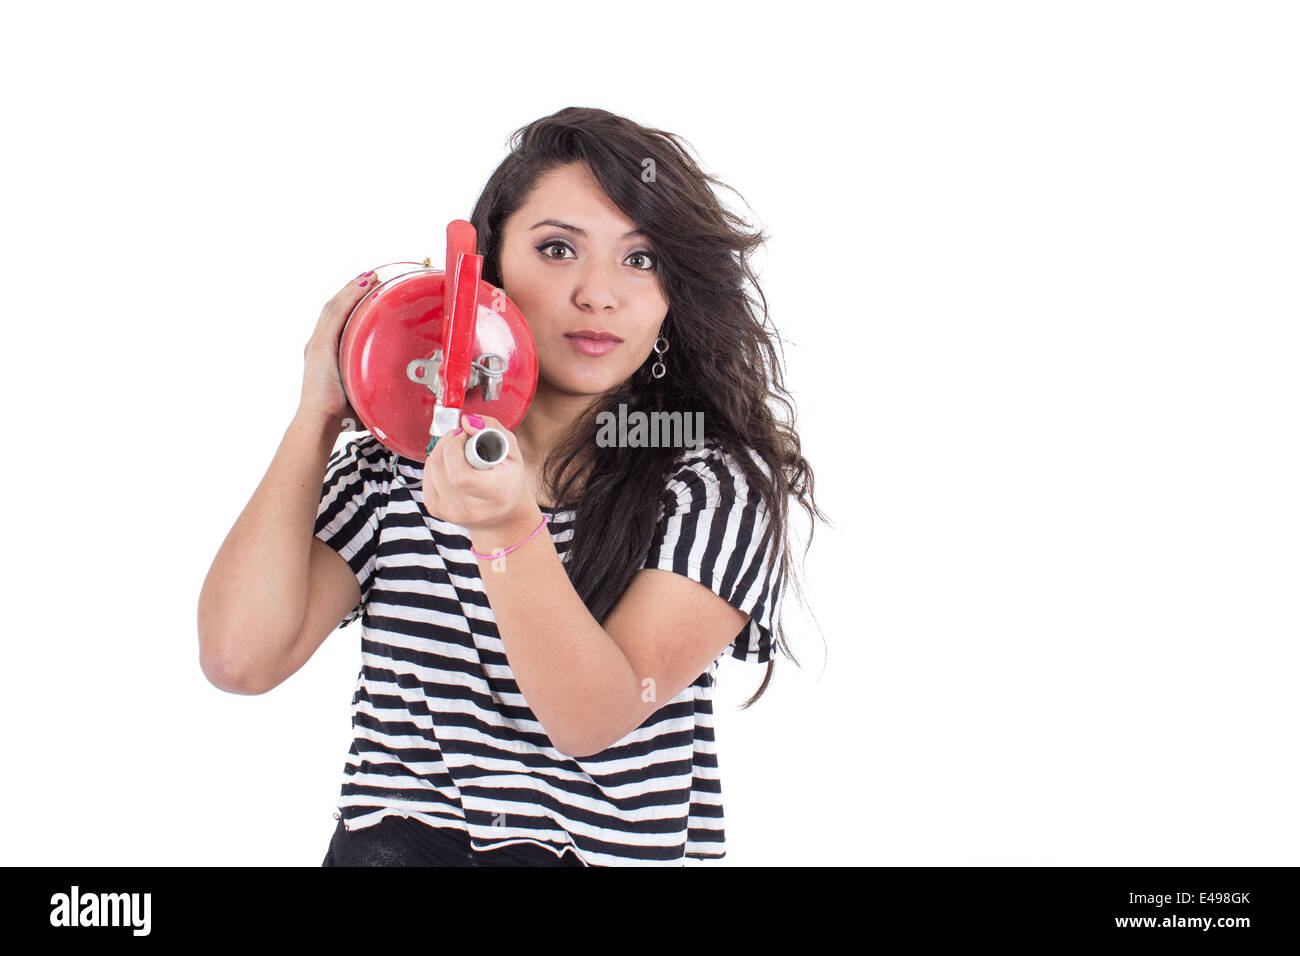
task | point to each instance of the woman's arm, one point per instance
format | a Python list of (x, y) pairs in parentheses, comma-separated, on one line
[(254, 598), (588, 686)]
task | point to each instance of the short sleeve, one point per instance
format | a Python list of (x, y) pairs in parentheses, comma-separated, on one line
[(352, 499), (714, 529)]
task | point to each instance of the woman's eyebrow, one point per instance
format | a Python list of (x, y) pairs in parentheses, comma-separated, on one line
[(565, 225)]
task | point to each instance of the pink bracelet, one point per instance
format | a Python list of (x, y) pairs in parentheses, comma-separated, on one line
[(490, 557)]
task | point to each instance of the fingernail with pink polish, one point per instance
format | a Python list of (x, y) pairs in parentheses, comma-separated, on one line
[(474, 421), (363, 283)]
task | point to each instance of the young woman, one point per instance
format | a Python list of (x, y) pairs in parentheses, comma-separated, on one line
[(539, 640)]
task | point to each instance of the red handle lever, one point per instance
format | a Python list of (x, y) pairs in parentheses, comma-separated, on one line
[(460, 311)]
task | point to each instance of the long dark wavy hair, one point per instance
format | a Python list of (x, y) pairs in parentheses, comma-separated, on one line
[(721, 358)]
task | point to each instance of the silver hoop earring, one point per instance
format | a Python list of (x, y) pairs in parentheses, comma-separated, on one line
[(658, 370)]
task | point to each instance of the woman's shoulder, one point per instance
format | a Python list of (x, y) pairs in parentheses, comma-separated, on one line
[(362, 451), (712, 458), (365, 444), (716, 470)]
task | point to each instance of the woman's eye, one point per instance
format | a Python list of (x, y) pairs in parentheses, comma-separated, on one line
[(554, 245), (648, 256)]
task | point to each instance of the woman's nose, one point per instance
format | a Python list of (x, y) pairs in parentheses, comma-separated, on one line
[(597, 285)]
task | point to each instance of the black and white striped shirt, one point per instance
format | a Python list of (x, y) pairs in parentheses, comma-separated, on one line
[(441, 732)]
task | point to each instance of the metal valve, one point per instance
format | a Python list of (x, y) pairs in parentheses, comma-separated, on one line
[(486, 371)]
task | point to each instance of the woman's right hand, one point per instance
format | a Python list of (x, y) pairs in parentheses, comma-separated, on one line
[(322, 389)]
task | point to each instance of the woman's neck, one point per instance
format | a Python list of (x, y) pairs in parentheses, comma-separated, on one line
[(550, 415)]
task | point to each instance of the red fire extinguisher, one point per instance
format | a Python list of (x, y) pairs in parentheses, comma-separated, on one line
[(427, 345)]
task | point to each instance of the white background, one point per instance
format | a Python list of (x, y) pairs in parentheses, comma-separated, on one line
[(1035, 264)]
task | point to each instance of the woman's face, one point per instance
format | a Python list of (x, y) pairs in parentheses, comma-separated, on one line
[(569, 263)]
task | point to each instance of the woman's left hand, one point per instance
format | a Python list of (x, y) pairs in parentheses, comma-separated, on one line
[(479, 500)]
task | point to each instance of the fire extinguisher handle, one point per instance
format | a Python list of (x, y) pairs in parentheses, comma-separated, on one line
[(422, 265), (380, 282)]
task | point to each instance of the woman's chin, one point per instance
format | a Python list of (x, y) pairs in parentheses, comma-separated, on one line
[(581, 381)]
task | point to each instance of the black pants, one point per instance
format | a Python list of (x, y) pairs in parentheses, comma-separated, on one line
[(402, 841)]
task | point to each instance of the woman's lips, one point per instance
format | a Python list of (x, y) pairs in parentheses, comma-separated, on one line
[(593, 346)]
